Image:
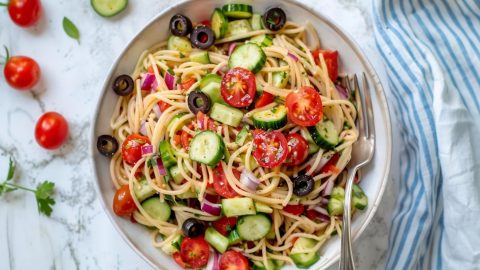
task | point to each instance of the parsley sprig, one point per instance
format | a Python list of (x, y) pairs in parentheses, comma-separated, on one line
[(43, 192)]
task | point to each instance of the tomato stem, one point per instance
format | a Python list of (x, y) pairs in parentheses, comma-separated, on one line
[(7, 55), (4, 4)]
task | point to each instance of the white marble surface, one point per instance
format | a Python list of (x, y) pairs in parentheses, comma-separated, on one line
[(79, 235)]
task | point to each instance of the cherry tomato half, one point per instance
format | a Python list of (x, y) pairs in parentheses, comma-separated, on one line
[(51, 130), (238, 87), (304, 106), (208, 125), (195, 252), (294, 209), (177, 257), (132, 148), (163, 105), (123, 204), (270, 148), (297, 150), (24, 13), (331, 61), (185, 139), (330, 167), (21, 72), (225, 225), (187, 84), (220, 182), (264, 99), (233, 260)]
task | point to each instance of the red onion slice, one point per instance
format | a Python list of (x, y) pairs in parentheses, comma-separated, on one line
[(322, 213), (249, 180), (143, 128), (294, 57), (147, 81), (231, 47), (328, 188), (156, 110), (169, 80), (342, 91), (147, 149), (211, 208), (154, 86), (161, 168), (216, 258)]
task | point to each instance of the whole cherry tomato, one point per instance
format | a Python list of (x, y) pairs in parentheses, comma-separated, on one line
[(24, 13), (123, 204), (51, 130), (21, 72)]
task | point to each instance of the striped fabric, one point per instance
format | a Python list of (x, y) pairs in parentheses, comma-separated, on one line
[(431, 50)]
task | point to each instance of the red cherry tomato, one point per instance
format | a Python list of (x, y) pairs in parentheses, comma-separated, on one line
[(238, 87), (24, 13), (233, 260), (185, 138), (132, 148), (178, 259), (21, 72), (123, 204), (297, 150), (209, 124), (331, 60), (270, 148), (264, 99), (51, 130), (206, 23), (187, 84), (163, 105), (304, 106), (225, 225), (294, 209), (220, 183), (195, 252)]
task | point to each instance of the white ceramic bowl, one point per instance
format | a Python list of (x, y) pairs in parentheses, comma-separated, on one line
[(352, 60)]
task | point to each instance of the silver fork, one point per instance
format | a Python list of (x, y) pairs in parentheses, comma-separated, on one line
[(362, 153)]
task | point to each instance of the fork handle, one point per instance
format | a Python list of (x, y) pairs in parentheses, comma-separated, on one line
[(346, 259)]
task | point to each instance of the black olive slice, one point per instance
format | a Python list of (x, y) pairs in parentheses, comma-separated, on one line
[(303, 185), (123, 85), (107, 145), (274, 19), (193, 227), (180, 25), (199, 102), (202, 37)]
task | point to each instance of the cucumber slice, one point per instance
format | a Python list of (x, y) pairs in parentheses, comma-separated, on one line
[(200, 57), (263, 208), (234, 238), (143, 190), (257, 265), (226, 114), (312, 146), (335, 207), (238, 27), (338, 193), (273, 118), (262, 40), (238, 207), (257, 22), (210, 85), (324, 134), (216, 239), (254, 227), (180, 44), (249, 56), (207, 148), (237, 11), (157, 209), (175, 174), (108, 8), (271, 234), (189, 194), (280, 79), (166, 153), (219, 23), (174, 245), (242, 136), (359, 199), (300, 258)]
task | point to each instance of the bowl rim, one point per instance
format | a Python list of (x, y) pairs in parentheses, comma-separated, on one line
[(375, 86)]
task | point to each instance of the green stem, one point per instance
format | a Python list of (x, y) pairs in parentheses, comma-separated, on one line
[(4, 4), (19, 187)]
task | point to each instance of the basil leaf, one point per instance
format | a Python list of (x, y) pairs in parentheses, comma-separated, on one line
[(70, 29)]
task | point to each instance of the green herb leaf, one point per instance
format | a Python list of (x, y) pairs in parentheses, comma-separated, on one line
[(43, 195), (70, 29), (11, 169)]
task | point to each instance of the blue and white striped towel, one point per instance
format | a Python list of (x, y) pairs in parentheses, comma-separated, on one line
[(431, 49)]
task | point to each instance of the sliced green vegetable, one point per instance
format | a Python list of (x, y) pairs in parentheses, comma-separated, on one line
[(235, 207), (226, 114), (108, 8), (216, 239)]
